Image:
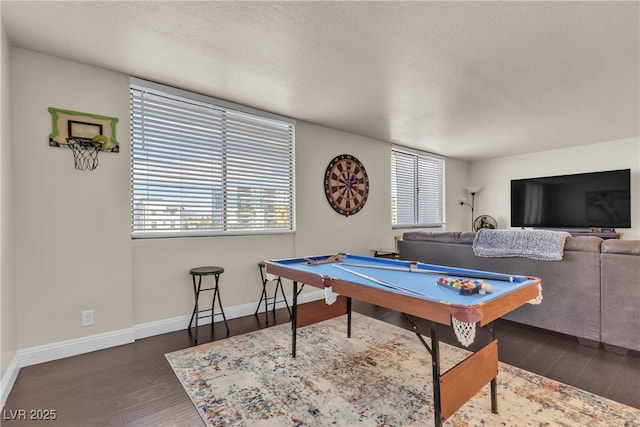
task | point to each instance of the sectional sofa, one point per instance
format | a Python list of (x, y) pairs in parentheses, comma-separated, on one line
[(593, 293)]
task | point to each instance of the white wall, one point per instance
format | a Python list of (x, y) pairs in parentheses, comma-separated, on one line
[(8, 319), (73, 250), (322, 230), (458, 217), (495, 175), (162, 286)]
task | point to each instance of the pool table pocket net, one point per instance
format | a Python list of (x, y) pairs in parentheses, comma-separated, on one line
[(465, 332)]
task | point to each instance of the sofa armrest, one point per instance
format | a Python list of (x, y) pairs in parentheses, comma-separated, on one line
[(620, 293)]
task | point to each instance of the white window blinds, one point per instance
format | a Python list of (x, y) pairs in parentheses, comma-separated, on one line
[(202, 166), (417, 188)]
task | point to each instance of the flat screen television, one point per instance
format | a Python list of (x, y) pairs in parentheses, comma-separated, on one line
[(585, 200)]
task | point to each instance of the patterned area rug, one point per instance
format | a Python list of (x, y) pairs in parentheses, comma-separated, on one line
[(381, 376)]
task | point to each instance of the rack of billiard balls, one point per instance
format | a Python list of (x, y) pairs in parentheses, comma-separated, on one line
[(465, 286)]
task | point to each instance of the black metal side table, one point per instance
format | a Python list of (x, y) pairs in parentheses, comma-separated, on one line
[(199, 272)]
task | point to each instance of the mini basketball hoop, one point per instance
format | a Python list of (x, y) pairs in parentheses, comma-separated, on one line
[(85, 153)]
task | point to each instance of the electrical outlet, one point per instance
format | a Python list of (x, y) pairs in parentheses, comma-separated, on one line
[(87, 318)]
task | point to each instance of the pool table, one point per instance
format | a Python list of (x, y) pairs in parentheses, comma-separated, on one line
[(421, 290)]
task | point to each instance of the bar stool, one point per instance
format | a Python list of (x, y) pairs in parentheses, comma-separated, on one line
[(199, 272), (266, 298)]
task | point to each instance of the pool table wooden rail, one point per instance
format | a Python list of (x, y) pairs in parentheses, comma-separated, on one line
[(437, 311)]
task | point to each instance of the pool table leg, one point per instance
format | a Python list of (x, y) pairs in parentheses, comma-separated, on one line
[(348, 317), (294, 318), (494, 396), (434, 351), (494, 382), (435, 364)]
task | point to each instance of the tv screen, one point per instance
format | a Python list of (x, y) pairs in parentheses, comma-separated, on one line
[(586, 200)]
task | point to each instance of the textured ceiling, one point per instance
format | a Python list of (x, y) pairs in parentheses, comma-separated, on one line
[(469, 80)]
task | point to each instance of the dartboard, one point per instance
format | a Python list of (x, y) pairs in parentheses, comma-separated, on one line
[(346, 184)]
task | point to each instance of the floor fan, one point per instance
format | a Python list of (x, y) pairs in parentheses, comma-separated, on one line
[(485, 221)]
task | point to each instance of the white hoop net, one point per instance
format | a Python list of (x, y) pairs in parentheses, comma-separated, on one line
[(85, 153), (537, 300), (329, 296), (466, 332)]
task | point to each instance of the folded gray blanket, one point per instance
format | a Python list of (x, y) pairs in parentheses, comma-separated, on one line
[(543, 245)]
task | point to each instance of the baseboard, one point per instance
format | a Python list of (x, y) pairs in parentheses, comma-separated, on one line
[(8, 379), (59, 350), (74, 347), (150, 329)]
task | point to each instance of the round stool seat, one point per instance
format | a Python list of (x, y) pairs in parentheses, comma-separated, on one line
[(205, 271)]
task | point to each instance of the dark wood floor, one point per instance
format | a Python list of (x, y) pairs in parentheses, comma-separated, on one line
[(133, 384)]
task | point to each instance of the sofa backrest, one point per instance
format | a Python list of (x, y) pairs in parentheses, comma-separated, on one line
[(456, 249), (622, 247)]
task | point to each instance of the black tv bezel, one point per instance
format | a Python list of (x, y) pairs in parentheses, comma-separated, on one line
[(571, 226)]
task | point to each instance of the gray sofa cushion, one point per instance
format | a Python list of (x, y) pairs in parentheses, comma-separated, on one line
[(467, 237), (583, 244), (433, 236), (578, 243)]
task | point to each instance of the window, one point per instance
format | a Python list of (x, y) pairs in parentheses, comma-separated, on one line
[(201, 166), (417, 188)]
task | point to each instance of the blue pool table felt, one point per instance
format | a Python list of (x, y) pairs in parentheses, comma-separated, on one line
[(424, 283)]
